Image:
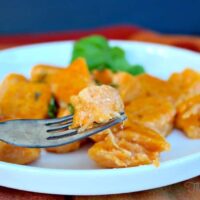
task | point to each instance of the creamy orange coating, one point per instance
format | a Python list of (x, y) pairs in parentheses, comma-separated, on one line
[(144, 85), (96, 104), (153, 112), (17, 100), (44, 73), (103, 76), (70, 81), (20, 98), (64, 82), (188, 117), (18, 155), (100, 136), (186, 84), (153, 86), (131, 147), (128, 86)]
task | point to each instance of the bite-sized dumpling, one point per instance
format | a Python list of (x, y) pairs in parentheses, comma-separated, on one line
[(103, 76), (188, 117), (65, 148), (100, 136), (13, 79), (70, 81), (44, 73), (64, 82), (186, 84), (20, 98), (135, 146), (68, 147), (96, 104), (154, 112), (128, 86), (18, 155), (153, 86)]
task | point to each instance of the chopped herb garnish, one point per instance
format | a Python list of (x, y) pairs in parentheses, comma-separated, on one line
[(71, 108), (37, 95), (53, 108), (97, 82), (114, 85)]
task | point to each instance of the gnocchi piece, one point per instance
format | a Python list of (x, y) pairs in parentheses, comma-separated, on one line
[(103, 76), (186, 84), (130, 147), (70, 81), (65, 148), (20, 98), (100, 136), (153, 112), (44, 73), (17, 100), (18, 155), (96, 104), (128, 86), (188, 117), (13, 79), (152, 86)]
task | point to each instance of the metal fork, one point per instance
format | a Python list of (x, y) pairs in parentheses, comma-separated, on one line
[(48, 133)]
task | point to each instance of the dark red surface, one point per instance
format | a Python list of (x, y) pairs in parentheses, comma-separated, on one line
[(115, 32), (11, 194)]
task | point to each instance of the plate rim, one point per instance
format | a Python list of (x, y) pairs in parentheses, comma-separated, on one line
[(110, 41), (35, 169)]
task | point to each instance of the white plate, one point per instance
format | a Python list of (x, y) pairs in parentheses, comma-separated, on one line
[(74, 173)]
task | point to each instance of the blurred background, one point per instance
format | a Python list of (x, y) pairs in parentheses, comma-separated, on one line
[(42, 16)]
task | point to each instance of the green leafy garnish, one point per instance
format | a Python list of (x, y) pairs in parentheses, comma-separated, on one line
[(53, 108), (99, 55), (71, 108), (136, 69)]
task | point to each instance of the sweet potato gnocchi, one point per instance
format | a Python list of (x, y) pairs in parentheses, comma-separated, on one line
[(18, 155), (153, 107), (96, 104), (134, 146), (20, 98), (188, 117), (156, 113), (186, 84)]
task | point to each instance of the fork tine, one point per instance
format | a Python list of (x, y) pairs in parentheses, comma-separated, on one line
[(33, 133), (58, 120), (63, 134), (60, 128), (68, 137)]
